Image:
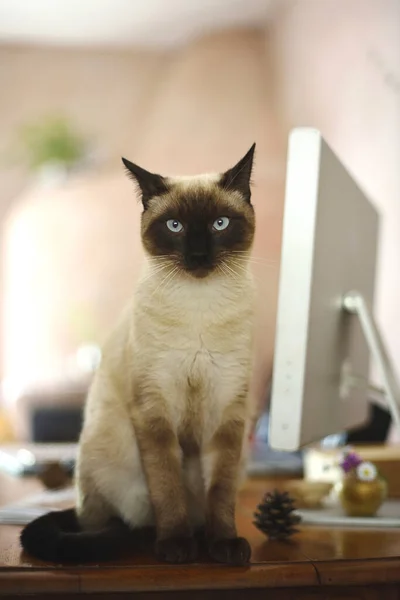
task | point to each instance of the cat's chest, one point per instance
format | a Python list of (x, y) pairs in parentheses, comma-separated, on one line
[(193, 359), (199, 366), (199, 346), (203, 373)]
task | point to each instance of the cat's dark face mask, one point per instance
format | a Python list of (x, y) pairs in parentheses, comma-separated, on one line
[(199, 226)]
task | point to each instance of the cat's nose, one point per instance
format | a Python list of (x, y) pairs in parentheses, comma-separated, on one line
[(198, 262), (198, 254), (198, 258)]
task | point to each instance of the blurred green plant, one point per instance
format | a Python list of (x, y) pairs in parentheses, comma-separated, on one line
[(52, 140)]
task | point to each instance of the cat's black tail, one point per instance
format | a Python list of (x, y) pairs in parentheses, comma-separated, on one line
[(58, 537)]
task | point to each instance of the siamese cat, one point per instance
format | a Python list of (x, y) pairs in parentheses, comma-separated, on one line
[(167, 415)]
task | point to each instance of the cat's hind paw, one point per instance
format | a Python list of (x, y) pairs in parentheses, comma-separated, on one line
[(177, 550), (235, 551)]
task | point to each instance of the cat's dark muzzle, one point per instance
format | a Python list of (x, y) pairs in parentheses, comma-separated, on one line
[(200, 272), (199, 265)]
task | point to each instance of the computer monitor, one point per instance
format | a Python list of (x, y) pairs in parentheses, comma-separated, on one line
[(325, 328)]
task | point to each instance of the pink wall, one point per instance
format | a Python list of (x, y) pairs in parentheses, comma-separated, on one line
[(332, 64), (337, 68), (72, 254), (104, 94)]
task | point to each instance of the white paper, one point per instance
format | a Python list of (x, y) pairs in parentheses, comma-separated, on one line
[(388, 516), (31, 507)]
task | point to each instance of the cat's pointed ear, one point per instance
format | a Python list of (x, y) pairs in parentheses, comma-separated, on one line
[(239, 177), (150, 184)]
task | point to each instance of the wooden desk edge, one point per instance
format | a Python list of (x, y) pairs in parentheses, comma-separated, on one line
[(199, 577), (154, 578), (358, 572)]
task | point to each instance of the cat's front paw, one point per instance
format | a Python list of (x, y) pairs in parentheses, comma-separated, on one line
[(235, 551), (177, 549)]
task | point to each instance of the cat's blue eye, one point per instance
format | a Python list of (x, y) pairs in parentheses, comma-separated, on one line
[(174, 225), (221, 223)]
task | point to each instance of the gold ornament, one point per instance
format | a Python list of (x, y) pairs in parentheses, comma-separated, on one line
[(362, 498)]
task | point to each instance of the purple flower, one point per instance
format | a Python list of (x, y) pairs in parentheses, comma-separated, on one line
[(350, 461)]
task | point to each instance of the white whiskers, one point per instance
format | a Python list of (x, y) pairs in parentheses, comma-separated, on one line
[(153, 271), (243, 256), (167, 280)]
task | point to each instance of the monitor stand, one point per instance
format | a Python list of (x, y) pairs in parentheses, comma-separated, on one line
[(355, 304)]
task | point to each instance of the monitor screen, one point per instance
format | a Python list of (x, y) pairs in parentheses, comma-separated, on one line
[(329, 246)]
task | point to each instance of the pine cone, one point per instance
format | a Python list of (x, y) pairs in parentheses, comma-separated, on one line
[(275, 516)]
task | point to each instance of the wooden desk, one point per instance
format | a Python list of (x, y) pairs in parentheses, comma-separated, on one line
[(318, 563)]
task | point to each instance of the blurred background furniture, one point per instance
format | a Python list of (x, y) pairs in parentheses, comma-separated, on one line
[(52, 412)]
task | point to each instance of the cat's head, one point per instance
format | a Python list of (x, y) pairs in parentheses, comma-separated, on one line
[(200, 224)]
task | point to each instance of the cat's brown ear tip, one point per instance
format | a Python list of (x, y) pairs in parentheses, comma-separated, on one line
[(131, 169), (127, 163), (249, 156)]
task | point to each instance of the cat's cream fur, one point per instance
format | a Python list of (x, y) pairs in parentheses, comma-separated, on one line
[(193, 340), (167, 415)]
